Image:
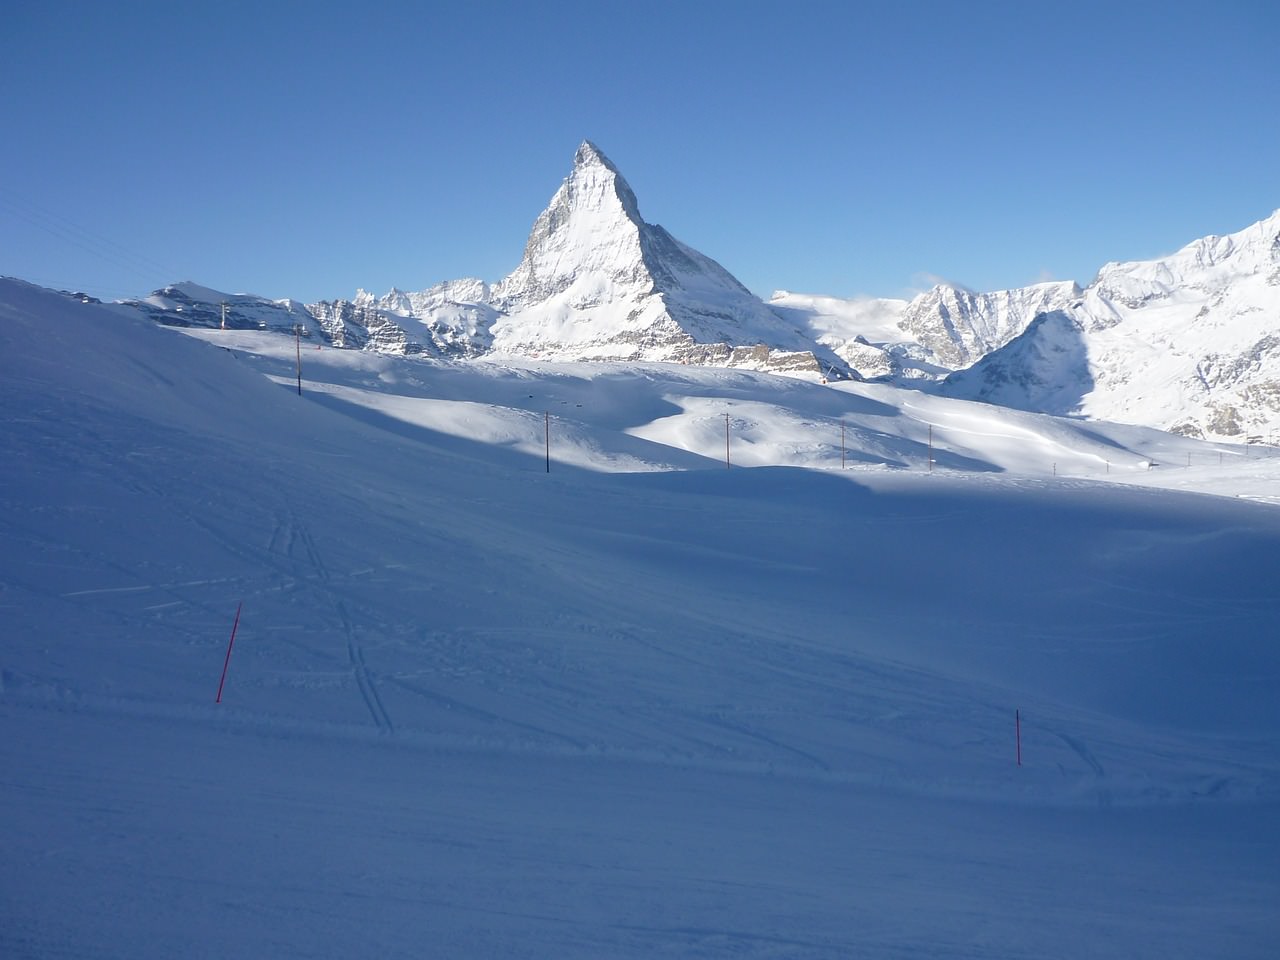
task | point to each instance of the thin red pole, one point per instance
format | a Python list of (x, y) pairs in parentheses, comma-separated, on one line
[(227, 661), (1017, 726)]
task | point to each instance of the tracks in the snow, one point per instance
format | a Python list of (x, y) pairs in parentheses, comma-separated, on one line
[(298, 534)]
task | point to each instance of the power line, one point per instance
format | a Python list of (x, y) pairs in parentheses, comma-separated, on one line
[(102, 292), (72, 233)]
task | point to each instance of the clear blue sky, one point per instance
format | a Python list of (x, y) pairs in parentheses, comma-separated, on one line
[(307, 149)]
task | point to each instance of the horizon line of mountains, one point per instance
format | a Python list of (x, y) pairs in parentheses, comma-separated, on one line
[(1188, 343)]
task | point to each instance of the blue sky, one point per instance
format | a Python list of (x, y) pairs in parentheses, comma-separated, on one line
[(305, 150)]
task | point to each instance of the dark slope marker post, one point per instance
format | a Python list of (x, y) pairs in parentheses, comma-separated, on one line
[(297, 346), (230, 643), (1017, 733)]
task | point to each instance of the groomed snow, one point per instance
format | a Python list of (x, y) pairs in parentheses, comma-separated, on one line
[(639, 705)]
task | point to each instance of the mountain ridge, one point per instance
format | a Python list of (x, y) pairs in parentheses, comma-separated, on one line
[(1188, 343), (597, 282)]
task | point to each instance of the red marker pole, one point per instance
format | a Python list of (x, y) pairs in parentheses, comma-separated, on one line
[(227, 661), (1017, 732)]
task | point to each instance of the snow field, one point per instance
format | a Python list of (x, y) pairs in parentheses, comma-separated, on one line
[(479, 709)]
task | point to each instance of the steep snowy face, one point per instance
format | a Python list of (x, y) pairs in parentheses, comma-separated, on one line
[(1043, 369), (597, 282), (585, 246), (1188, 343)]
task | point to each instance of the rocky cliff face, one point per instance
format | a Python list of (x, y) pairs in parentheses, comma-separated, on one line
[(958, 327), (443, 321)]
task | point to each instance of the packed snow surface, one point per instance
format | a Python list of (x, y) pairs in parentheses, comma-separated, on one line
[(522, 670)]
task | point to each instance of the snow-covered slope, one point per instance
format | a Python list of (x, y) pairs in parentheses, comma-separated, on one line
[(1188, 343), (482, 709), (1045, 369), (189, 304)]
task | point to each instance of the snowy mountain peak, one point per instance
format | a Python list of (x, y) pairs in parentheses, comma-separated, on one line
[(589, 160), (1254, 246), (588, 153), (595, 283), (1208, 263), (598, 282), (589, 231)]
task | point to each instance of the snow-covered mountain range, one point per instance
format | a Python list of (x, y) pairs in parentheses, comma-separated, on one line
[(596, 282), (944, 329), (1186, 343)]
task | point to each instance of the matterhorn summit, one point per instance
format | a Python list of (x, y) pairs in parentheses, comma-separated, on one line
[(597, 282), (587, 245)]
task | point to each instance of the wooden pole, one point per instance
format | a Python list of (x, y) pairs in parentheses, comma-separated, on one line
[(227, 661), (547, 436), (1017, 733)]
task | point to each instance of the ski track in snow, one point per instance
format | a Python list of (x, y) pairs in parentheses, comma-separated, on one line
[(298, 533)]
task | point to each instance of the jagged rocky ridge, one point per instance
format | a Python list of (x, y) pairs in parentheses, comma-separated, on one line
[(1188, 343)]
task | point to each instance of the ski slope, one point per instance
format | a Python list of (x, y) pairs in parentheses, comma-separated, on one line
[(634, 705)]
